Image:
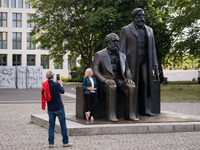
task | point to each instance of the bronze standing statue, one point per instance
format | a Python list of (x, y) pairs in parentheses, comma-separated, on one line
[(111, 69), (137, 42)]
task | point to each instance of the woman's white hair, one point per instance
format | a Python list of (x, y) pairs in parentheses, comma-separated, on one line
[(87, 71)]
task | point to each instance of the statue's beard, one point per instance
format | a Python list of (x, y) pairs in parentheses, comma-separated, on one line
[(115, 48), (140, 23)]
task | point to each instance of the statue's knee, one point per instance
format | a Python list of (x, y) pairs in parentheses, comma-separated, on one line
[(131, 87), (112, 87)]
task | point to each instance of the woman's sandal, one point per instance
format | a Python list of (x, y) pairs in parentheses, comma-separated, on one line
[(87, 116)]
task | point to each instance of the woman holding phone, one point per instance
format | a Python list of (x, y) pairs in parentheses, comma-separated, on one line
[(90, 86)]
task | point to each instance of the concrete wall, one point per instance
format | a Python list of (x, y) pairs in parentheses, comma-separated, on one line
[(181, 75)]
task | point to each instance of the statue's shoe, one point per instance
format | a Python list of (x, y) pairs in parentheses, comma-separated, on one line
[(113, 119), (149, 114)]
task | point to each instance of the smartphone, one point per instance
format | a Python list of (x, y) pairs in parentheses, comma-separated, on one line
[(57, 76)]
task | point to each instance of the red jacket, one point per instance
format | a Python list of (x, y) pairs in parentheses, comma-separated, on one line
[(46, 95)]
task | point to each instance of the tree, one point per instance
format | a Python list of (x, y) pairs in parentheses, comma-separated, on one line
[(185, 25), (61, 26), (156, 17), (80, 26)]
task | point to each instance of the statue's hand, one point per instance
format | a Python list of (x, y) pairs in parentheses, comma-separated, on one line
[(129, 81), (155, 70), (110, 82)]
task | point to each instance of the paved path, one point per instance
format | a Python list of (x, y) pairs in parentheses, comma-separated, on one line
[(23, 96), (18, 133)]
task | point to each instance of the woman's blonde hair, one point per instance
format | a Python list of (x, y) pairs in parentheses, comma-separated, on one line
[(87, 71)]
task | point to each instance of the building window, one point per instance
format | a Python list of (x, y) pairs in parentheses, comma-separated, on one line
[(29, 25), (3, 60), (3, 19), (45, 61), (30, 60), (17, 40), (28, 6), (71, 63), (30, 44), (13, 3), (17, 20), (3, 40), (16, 60), (58, 66), (6, 3), (20, 3)]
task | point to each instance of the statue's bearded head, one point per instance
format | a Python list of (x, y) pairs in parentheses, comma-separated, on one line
[(138, 17), (112, 42)]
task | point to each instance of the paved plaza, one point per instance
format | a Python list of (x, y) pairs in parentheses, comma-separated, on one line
[(17, 132), (24, 96)]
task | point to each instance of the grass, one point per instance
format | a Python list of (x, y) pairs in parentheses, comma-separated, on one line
[(174, 90), (72, 83), (180, 92), (182, 82)]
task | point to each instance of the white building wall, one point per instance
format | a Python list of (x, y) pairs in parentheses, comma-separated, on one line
[(23, 51), (180, 75)]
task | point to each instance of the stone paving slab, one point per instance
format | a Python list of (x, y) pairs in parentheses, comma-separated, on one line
[(78, 129), (23, 96), (18, 133)]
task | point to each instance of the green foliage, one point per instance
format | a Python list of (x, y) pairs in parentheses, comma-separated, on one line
[(61, 26), (182, 82), (186, 13), (71, 80), (184, 62), (77, 73), (185, 25), (80, 26)]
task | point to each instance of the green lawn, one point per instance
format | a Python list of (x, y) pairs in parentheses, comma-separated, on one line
[(180, 92), (72, 83)]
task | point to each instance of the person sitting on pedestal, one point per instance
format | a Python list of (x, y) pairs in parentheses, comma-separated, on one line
[(111, 69)]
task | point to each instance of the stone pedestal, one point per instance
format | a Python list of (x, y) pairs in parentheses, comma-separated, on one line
[(155, 101), (7, 77), (80, 102), (100, 110), (166, 122)]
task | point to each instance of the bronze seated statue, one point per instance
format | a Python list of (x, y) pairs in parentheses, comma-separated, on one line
[(111, 69), (118, 95)]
